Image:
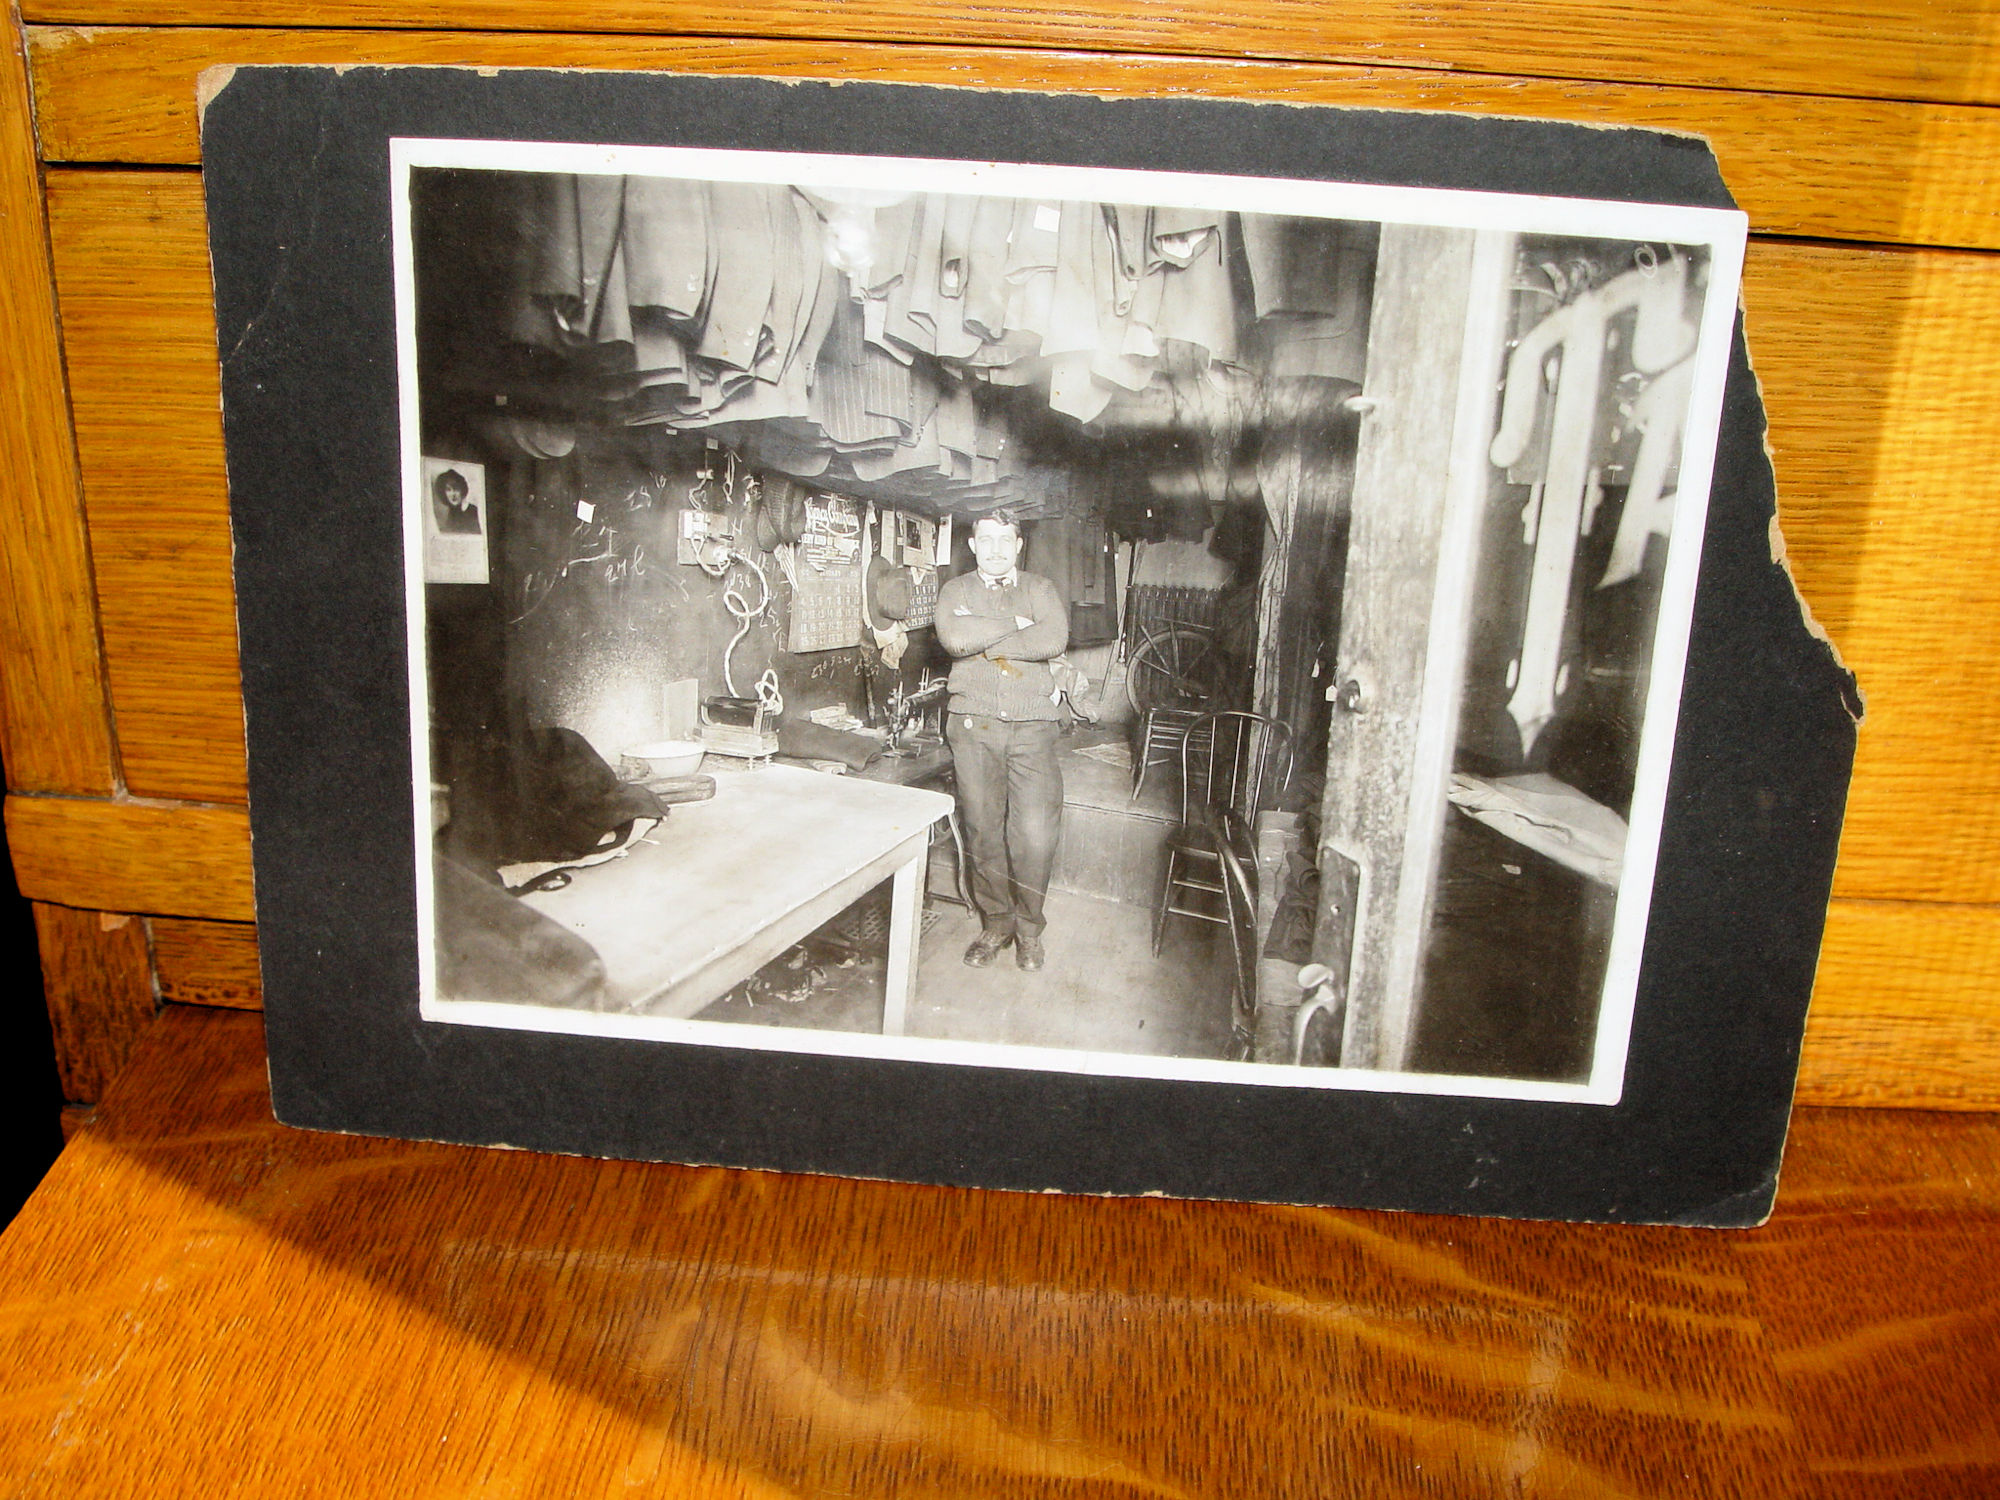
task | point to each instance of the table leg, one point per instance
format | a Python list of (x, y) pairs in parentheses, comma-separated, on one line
[(906, 905)]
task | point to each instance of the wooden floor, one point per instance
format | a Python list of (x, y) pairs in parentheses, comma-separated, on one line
[(1102, 990), (260, 1311)]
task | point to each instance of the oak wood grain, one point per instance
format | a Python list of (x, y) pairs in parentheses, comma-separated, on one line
[(1882, 439), (1892, 49), (139, 333), (1850, 169), (97, 977), (1875, 1288), (173, 859), (207, 963), (1903, 1010), (429, 1321), (55, 734), (1873, 496)]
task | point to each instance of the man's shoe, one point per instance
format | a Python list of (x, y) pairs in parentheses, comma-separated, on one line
[(1028, 952), (984, 947)]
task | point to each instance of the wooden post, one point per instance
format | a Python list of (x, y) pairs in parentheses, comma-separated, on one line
[(99, 981), (1421, 477)]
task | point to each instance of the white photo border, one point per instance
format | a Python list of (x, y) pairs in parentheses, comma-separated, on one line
[(1722, 232)]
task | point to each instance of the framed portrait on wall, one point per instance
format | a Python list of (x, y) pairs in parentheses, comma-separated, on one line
[(453, 521)]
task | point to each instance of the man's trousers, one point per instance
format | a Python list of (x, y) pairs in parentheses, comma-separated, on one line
[(1010, 798)]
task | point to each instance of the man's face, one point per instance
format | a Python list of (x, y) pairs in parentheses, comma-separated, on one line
[(996, 548)]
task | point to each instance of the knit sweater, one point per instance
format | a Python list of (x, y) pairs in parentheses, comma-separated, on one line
[(1002, 668)]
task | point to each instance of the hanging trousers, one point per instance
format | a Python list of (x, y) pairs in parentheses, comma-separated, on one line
[(1010, 798)]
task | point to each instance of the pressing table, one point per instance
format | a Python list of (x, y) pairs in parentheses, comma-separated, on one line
[(727, 885)]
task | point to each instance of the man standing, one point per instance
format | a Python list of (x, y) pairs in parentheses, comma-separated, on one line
[(1003, 626)]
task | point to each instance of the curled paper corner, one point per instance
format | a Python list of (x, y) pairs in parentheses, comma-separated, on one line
[(211, 82)]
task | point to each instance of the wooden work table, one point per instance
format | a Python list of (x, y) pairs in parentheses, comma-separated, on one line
[(201, 1302), (725, 886)]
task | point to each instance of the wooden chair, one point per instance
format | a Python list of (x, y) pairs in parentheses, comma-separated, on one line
[(1231, 837), (1162, 732), (1231, 761)]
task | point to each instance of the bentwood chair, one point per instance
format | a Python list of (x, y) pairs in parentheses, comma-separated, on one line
[(1231, 836), (1232, 761)]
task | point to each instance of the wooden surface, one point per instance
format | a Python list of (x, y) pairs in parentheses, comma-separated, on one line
[(176, 859), (1880, 170), (1874, 434), (1941, 50), (54, 733), (260, 1311), (201, 1302), (100, 993), (207, 963), (1383, 772), (733, 882), (139, 333)]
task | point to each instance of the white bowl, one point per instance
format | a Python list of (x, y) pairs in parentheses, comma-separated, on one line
[(670, 757)]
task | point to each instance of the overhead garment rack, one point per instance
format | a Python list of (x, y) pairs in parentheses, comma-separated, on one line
[(895, 344)]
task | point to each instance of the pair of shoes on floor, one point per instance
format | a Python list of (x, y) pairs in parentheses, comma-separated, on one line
[(1028, 951), (985, 948)]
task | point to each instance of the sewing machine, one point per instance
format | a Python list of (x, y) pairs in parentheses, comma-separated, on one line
[(911, 727)]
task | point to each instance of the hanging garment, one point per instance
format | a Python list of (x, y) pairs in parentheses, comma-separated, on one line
[(740, 295), (1032, 256), (860, 392), (1124, 356), (1310, 285), (1295, 265), (667, 242), (987, 250), (1197, 308), (926, 308), (569, 237), (1075, 554)]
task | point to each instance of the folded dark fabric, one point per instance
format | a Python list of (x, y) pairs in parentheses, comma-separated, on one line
[(810, 741), (541, 794), (492, 946)]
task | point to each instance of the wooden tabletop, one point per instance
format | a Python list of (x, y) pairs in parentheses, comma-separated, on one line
[(724, 886), (201, 1302)]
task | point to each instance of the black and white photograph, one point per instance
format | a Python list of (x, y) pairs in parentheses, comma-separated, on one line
[(1098, 621)]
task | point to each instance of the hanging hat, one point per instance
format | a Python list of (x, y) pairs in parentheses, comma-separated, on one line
[(781, 512), (790, 514), (765, 525), (886, 595)]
